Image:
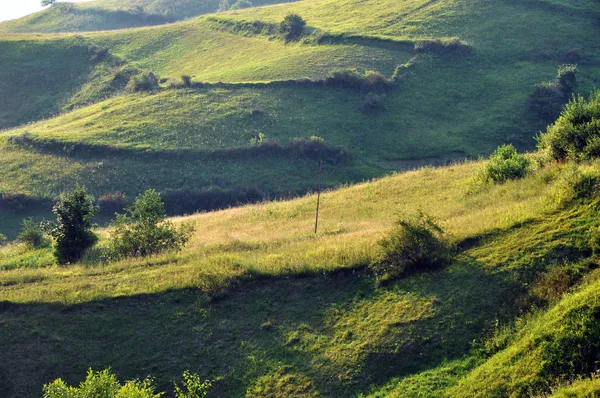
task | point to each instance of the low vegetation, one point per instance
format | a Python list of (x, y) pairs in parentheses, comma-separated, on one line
[(506, 164)]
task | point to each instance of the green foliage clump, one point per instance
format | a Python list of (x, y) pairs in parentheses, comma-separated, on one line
[(143, 82), (241, 4), (576, 133), (506, 164), (292, 27), (73, 228), (192, 386), (32, 234), (187, 80), (548, 98), (3, 239), (142, 231), (413, 244)]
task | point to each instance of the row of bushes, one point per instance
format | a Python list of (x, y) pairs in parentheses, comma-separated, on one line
[(291, 28), (442, 46), (16, 202), (307, 147)]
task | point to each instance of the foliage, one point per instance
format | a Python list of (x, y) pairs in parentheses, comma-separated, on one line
[(32, 234), (187, 80), (3, 239), (192, 386), (101, 384), (143, 82), (576, 133), (72, 231), (413, 244), (142, 231), (241, 4), (292, 26), (548, 98), (45, 3), (444, 46), (506, 164)]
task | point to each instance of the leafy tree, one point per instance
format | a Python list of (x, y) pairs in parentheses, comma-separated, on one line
[(292, 26), (73, 228), (142, 231), (45, 3)]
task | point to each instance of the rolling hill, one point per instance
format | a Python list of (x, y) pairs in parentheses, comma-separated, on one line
[(465, 73), (118, 14)]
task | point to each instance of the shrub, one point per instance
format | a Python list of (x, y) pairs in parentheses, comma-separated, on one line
[(3, 239), (576, 133), (143, 82), (548, 98), (111, 203), (506, 164), (73, 228), (104, 384), (142, 231), (16, 202), (413, 244), (32, 234), (192, 387), (187, 80), (443, 46), (292, 26), (97, 53)]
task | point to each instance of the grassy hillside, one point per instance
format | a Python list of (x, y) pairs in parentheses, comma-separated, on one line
[(447, 105), (267, 308), (117, 14)]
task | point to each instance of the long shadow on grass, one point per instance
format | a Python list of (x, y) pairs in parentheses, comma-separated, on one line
[(341, 332)]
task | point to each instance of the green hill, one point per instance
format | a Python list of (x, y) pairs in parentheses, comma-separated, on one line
[(452, 100), (266, 307), (118, 14)]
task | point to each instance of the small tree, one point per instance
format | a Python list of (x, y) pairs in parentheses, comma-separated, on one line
[(292, 26), (45, 3), (193, 386), (73, 228), (142, 231)]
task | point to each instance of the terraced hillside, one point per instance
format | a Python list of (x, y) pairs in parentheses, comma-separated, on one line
[(449, 99), (119, 14)]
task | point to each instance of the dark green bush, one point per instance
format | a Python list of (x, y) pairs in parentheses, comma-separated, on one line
[(143, 82), (142, 231), (187, 80), (3, 239), (506, 164), (413, 244), (292, 27), (442, 46), (241, 4), (548, 98), (73, 228), (576, 133), (32, 234), (576, 185)]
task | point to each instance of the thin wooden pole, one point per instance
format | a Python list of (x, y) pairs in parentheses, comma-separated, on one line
[(318, 195)]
